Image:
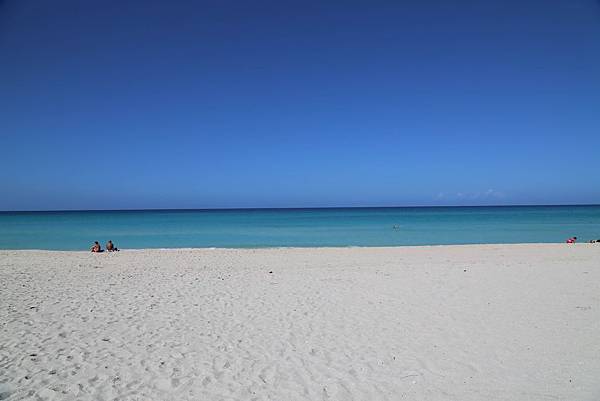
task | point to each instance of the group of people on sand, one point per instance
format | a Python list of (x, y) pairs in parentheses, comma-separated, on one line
[(573, 240), (110, 247)]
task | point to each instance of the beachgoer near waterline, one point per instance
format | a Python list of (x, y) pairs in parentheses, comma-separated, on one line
[(572, 240), (110, 247), (96, 247)]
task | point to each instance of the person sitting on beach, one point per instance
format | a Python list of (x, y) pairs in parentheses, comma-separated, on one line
[(110, 247), (96, 247), (572, 240)]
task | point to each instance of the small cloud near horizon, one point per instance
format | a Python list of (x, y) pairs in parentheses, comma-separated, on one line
[(479, 195)]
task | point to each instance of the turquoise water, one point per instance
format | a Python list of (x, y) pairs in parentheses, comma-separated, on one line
[(298, 227)]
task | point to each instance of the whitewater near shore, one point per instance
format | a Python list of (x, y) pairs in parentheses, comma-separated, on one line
[(476, 322)]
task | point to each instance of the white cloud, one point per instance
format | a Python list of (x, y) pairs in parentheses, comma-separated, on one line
[(488, 194)]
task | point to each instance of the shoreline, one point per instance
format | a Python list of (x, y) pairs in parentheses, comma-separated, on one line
[(374, 247)]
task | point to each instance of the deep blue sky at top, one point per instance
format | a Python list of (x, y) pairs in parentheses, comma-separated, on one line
[(191, 104)]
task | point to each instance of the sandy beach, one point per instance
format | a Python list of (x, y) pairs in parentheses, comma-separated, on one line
[(477, 322)]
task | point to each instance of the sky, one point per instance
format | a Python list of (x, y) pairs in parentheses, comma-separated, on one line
[(233, 104)]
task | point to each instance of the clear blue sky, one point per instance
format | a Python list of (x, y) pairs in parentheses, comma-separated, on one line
[(189, 104)]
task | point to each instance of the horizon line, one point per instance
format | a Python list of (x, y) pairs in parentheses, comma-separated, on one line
[(291, 208)]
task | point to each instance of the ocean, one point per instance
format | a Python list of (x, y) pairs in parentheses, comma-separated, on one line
[(249, 228)]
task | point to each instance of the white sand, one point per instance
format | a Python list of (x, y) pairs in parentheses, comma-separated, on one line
[(495, 322)]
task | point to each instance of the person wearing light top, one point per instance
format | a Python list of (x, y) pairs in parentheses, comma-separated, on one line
[(110, 247)]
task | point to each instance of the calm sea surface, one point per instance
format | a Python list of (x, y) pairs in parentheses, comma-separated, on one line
[(298, 227)]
